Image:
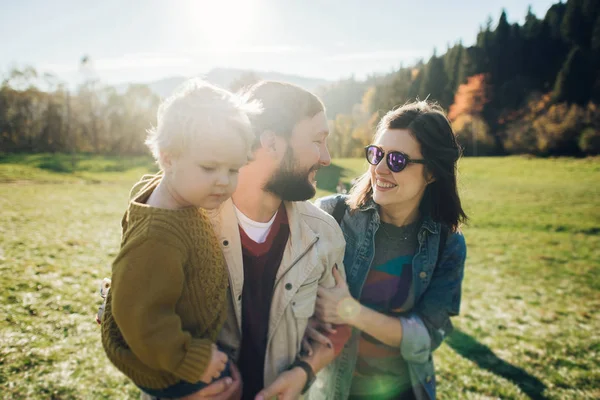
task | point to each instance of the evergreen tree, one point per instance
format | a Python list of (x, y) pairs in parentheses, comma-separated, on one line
[(573, 25), (435, 82), (574, 81), (595, 40)]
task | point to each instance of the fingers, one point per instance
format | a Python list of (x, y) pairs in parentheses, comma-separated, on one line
[(216, 366), (306, 347), (269, 392), (233, 390), (221, 363), (321, 326), (339, 280), (274, 390), (193, 396), (229, 394), (222, 358), (318, 337), (327, 327), (235, 373), (319, 312), (322, 292), (326, 315), (216, 387)]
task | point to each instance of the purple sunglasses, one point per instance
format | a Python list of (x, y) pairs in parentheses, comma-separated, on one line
[(395, 160)]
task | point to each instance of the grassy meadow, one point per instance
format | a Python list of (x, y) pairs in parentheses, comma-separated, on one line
[(530, 319)]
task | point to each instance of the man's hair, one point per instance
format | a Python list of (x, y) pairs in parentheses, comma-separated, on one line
[(284, 106), (197, 109)]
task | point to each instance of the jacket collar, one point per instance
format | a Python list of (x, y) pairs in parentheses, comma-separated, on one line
[(301, 234), (428, 222)]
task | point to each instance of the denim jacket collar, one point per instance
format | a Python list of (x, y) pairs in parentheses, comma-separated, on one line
[(369, 205), (428, 222)]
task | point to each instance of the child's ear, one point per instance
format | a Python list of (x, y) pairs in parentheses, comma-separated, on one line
[(166, 160)]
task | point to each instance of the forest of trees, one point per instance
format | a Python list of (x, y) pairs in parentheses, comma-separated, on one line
[(93, 119), (531, 88)]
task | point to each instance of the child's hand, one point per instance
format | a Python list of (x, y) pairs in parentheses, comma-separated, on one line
[(104, 288), (217, 364)]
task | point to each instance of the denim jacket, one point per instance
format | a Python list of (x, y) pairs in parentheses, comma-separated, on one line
[(437, 291)]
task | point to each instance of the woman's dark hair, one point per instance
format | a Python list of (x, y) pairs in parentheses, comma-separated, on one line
[(428, 124)]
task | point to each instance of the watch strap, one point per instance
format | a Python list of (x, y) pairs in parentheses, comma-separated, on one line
[(310, 374)]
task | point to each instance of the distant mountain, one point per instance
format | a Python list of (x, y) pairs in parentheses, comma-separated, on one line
[(224, 77)]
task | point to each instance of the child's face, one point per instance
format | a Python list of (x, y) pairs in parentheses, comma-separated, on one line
[(206, 175)]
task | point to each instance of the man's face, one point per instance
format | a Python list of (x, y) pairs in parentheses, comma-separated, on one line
[(306, 152)]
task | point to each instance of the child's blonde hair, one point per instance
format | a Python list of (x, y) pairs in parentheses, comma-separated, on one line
[(198, 108)]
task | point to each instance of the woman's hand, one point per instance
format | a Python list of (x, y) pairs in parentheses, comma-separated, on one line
[(314, 333), (336, 305)]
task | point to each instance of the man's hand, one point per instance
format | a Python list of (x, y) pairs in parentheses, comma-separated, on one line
[(287, 386), (229, 388)]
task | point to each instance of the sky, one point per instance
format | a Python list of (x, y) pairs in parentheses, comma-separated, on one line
[(143, 41)]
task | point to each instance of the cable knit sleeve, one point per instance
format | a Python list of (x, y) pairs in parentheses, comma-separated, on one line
[(147, 282)]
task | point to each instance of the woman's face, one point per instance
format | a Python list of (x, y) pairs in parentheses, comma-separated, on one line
[(398, 189)]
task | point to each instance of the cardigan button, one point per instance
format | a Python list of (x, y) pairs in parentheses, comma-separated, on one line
[(423, 275), (225, 242), (288, 286), (240, 297)]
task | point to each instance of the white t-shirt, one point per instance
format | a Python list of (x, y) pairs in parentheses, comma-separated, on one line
[(257, 231)]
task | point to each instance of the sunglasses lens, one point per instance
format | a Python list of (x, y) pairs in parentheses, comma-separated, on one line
[(396, 161), (374, 155)]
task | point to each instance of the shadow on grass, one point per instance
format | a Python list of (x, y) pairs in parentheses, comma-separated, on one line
[(485, 358)]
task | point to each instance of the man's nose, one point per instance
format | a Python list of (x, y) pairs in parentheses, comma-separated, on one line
[(324, 156)]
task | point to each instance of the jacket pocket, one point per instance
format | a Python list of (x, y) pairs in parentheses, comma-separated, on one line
[(303, 307), (303, 302)]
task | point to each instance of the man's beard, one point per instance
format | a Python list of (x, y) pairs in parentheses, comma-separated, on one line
[(289, 184)]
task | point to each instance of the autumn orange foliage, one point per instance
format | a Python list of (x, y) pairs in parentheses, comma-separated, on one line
[(470, 97)]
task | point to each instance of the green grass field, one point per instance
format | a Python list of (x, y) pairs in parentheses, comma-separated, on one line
[(530, 319)]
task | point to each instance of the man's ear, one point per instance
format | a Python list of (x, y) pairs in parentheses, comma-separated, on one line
[(268, 142)]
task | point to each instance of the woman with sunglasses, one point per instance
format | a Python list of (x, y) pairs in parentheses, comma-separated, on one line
[(404, 260)]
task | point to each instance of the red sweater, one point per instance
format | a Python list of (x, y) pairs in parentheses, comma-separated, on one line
[(261, 262)]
